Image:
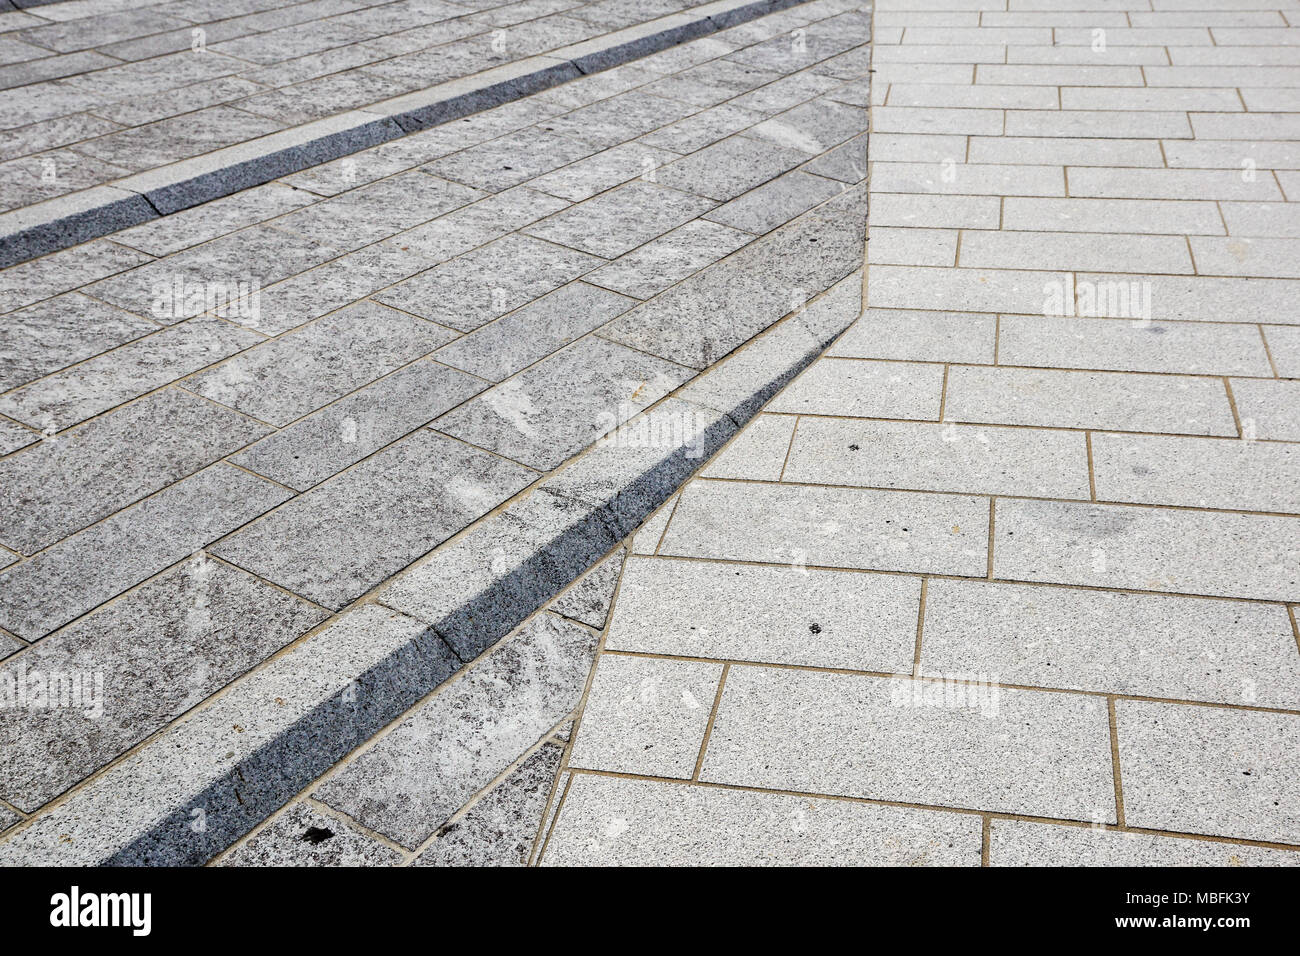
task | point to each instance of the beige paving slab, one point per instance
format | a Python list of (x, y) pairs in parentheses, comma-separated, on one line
[(910, 334), (967, 179), (832, 386), (916, 148), (928, 210), (830, 527), (1017, 751), (1007, 249), (774, 615), (1101, 124), (961, 290), (1063, 151), (1131, 183), (1157, 216)]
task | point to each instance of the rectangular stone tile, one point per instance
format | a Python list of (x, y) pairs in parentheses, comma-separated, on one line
[(1149, 98), (1148, 549), (977, 95), (1112, 216), (830, 527), (13, 436), (621, 118), (1020, 843), (1262, 219), (595, 174), (665, 824), (918, 336), (929, 210), (500, 828), (83, 571), (303, 836), (790, 91), (1101, 124), (653, 267), (767, 615), (59, 486), (1067, 251), (1198, 298), (1064, 151), (148, 147), (917, 147), (967, 179), (158, 652), (1097, 181), (345, 536), (324, 443), (775, 203), (967, 53), (471, 290), (914, 119), (588, 600), (1274, 100), (927, 457), (730, 167), (501, 348), (190, 227), (1284, 347), (1197, 472), (1268, 409), (50, 335), (288, 377), (62, 400), (913, 247), (646, 716), (864, 389), (479, 223), (1209, 770), (1129, 345), (563, 403), (1230, 154), (620, 220), (1271, 257), (1111, 642), (1247, 126), (463, 737), (758, 453), (990, 748), (1109, 400), (813, 127)]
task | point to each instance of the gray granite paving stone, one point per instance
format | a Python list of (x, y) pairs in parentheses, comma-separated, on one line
[(82, 571), (1131, 346), (63, 271), (589, 599), (646, 539), (587, 177), (1268, 409), (563, 403), (711, 313), (621, 219), (767, 615), (13, 436), (758, 453), (59, 486), (918, 336), (1210, 770), (159, 651), (1197, 472), (703, 128), (814, 127), (72, 395), (979, 747), (288, 377), (157, 144), (775, 203), (249, 751), (832, 527), (847, 162), (480, 222), (45, 337), (931, 457), (651, 268), (484, 583), (1228, 652), (341, 434), (1148, 549), (475, 288), (1109, 400), (501, 348), (646, 716), (1021, 843), (500, 828), (8, 818), (190, 227), (303, 836), (611, 821), (510, 160), (620, 118), (789, 91), (1284, 346), (865, 389), (345, 536), (417, 776), (711, 83), (730, 167)]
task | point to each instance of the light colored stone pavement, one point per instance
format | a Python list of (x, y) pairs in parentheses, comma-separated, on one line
[(1010, 575), (292, 458)]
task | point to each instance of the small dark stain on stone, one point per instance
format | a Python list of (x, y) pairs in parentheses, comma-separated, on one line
[(815, 627), (315, 835), (854, 447)]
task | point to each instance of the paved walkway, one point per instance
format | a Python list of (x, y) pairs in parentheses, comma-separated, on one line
[(96, 90), (1010, 575)]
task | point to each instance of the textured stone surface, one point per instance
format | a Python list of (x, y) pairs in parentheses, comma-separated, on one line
[(1021, 843), (607, 821), (303, 836), (408, 784), (768, 615), (589, 599)]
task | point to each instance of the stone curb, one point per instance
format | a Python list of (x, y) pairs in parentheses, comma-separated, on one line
[(78, 217), (200, 785)]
